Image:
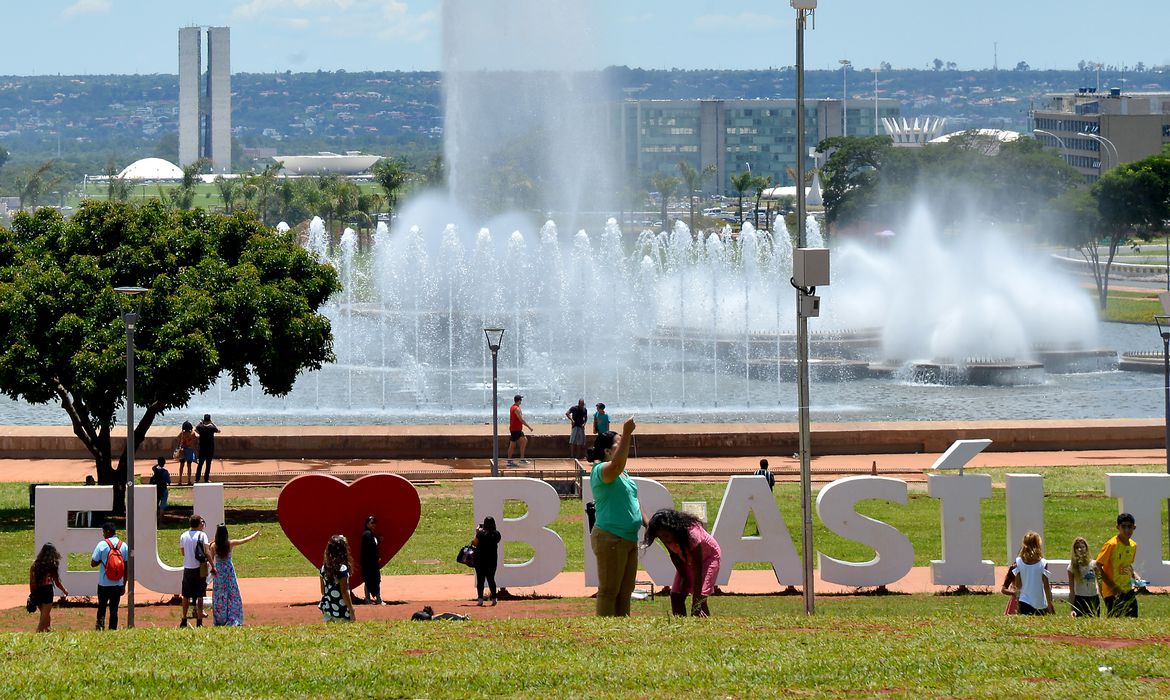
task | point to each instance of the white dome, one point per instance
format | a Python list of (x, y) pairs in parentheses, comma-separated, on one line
[(151, 169)]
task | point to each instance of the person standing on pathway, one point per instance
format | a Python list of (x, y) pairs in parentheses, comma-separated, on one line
[(371, 573), (110, 555), (614, 538), (516, 426), (185, 451), (578, 415), (196, 562), (207, 431), (227, 607), (600, 420), (487, 557)]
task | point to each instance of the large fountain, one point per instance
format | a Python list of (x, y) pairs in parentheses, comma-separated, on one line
[(667, 324)]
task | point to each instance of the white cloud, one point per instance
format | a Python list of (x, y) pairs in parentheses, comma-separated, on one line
[(742, 23), (88, 7), (357, 19)]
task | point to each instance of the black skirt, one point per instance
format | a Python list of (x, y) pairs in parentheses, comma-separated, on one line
[(43, 595)]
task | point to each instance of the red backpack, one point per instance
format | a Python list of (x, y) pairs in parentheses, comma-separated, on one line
[(115, 563)]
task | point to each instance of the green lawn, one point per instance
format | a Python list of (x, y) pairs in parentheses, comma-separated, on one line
[(894, 646), (1133, 307), (1075, 505)]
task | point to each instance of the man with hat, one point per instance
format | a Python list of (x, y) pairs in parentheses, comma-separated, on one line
[(516, 426)]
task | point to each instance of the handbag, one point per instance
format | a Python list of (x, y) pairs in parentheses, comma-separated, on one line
[(466, 556), (30, 605)]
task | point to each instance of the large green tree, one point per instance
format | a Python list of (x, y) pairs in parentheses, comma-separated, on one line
[(225, 294), (391, 175)]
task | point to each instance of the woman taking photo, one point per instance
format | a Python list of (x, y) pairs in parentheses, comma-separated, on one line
[(614, 538), (226, 604), (487, 557)]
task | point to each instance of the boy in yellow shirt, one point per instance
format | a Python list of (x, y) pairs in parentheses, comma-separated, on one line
[(1117, 574)]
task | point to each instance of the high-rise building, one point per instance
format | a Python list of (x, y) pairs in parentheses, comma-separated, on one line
[(1098, 131), (733, 135), (205, 103)]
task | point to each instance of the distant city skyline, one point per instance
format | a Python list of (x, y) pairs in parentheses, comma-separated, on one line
[(88, 37)]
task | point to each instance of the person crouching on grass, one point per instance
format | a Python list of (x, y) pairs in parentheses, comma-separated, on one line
[(695, 555)]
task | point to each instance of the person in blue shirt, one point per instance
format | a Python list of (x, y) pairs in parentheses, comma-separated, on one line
[(110, 590)]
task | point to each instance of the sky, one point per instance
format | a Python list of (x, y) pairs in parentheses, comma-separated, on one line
[(140, 36)]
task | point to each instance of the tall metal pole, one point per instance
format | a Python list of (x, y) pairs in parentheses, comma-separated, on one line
[(130, 318), (495, 412), (876, 132), (1166, 383), (802, 12)]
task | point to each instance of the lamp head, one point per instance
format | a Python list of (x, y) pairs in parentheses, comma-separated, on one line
[(803, 4), (495, 338)]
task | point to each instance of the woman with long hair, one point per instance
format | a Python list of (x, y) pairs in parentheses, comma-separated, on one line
[(614, 538), (45, 573), (371, 574), (336, 604), (1035, 592), (226, 605), (487, 557), (1082, 581), (185, 451), (695, 555)]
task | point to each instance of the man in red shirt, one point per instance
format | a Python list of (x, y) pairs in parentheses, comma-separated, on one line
[(516, 426)]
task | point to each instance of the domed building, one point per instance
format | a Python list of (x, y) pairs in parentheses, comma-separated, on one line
[(151, 169)]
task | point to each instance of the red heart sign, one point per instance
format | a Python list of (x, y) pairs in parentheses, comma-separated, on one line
[(314, 507)]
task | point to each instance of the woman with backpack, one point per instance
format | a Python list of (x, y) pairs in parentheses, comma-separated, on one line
[(227, 608), (43, 575)]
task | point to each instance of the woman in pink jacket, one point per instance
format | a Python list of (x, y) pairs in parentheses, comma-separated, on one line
[(695, 555)]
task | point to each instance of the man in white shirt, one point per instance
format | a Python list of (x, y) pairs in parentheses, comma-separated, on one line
[(196, 563)]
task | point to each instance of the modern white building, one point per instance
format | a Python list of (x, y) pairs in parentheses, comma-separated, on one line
[(913, 134), (205, 102)]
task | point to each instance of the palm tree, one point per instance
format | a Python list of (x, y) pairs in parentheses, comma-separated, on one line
[(392, 175), (37, 183), (183, 196), (742, 182), (117, 188), (760, 183), (693, 178), (667, 186), (229, 191)]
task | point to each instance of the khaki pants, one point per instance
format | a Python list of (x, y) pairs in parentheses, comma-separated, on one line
[(617, 567)]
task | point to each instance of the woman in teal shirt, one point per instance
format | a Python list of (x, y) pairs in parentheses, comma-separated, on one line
[(614, 538)]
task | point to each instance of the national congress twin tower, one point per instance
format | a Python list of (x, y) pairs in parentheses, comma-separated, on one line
[(205, 108)]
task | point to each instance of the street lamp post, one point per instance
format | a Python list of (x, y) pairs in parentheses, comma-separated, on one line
[(1111, 148), (1060, 141), (495, 338), (804, 9), (1164, 331), (845, 63), (130, 318)]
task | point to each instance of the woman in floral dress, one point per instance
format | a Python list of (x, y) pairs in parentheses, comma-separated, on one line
[(226, 604)]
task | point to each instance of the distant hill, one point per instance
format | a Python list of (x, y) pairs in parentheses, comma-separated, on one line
[(89, 119)]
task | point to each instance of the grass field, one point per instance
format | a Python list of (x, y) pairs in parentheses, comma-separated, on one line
[(1132, 307), (892, 646), (1075, 505)]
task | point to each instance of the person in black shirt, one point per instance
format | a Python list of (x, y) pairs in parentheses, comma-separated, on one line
[(206, 430), (371, 574), (763, 471), (487, 555), (161, 478), (577, 416)]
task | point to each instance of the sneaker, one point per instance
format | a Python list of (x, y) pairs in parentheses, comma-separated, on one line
[(100, 627), (523, 461), (494, 601), (479, 602), (183, 622), (511, 463)]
